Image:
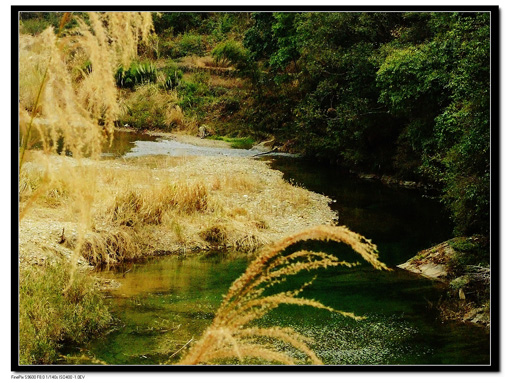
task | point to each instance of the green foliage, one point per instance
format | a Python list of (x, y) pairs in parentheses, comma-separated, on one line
[(172, 76), (236, 142), (176, 22), (285, 34), (398, 93), (194, 93), (34, 23), (231, 53), (441, 87), (191, 44), (220, 26), (136, 74), (49, 317), (259, 38)]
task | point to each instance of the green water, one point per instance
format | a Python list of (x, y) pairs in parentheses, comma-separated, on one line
[(167, 301), (162, 304)]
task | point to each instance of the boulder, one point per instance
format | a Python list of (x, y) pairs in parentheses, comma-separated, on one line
[(204, 131), (431, 263)]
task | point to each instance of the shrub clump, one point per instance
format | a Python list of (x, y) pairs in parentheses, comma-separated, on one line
[(149, 206), (48, 317), (230, 52), (191, 44), (216, 234), (172, 76), (110, 246), (148, 107)]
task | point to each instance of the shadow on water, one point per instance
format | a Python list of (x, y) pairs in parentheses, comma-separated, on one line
[(164, 303), (400, 221)]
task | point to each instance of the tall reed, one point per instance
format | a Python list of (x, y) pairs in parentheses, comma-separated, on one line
[(70, 112), (233, 334), (68, 96)]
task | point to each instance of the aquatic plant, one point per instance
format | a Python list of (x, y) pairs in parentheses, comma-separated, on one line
[(232, 335)]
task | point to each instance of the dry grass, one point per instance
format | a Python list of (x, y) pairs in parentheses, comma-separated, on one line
[(69, 103), (236, 182), (175, 117), (149, 205), (194, 61), (231, 334), (206, 61), (150, 107), (63, 101), (226, 82), (111, 246), (129, 208)]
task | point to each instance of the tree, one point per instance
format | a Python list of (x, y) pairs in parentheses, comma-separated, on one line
[(441, 87)]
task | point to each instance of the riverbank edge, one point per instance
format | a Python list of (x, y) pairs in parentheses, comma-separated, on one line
[(434, 263), (267, 147), (187, 138)]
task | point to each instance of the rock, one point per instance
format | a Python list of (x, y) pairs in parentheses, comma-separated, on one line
[(203, 131), (409, 184), (368, 176), (429, 270), (107, 284), (433, 263)]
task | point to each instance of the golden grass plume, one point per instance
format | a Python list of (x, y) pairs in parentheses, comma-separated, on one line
[(59, 107), (231, 334), (68, 97)]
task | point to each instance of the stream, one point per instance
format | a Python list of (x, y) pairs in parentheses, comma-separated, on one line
[(165, 302)]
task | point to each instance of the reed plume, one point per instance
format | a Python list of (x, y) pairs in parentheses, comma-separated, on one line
[(67, 89), (68, 96), (232, 335)]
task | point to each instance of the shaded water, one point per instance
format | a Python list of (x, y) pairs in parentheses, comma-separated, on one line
[(165, 302)]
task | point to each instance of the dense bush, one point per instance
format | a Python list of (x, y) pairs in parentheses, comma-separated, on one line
[(191, 44), (393, 93), (176, 22), (49, 317), (230, 53), (150, 107), (441, 88), (193, 93)]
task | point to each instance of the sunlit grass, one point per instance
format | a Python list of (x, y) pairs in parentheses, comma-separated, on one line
[(236, 142), (142, 205), (48, 317)]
